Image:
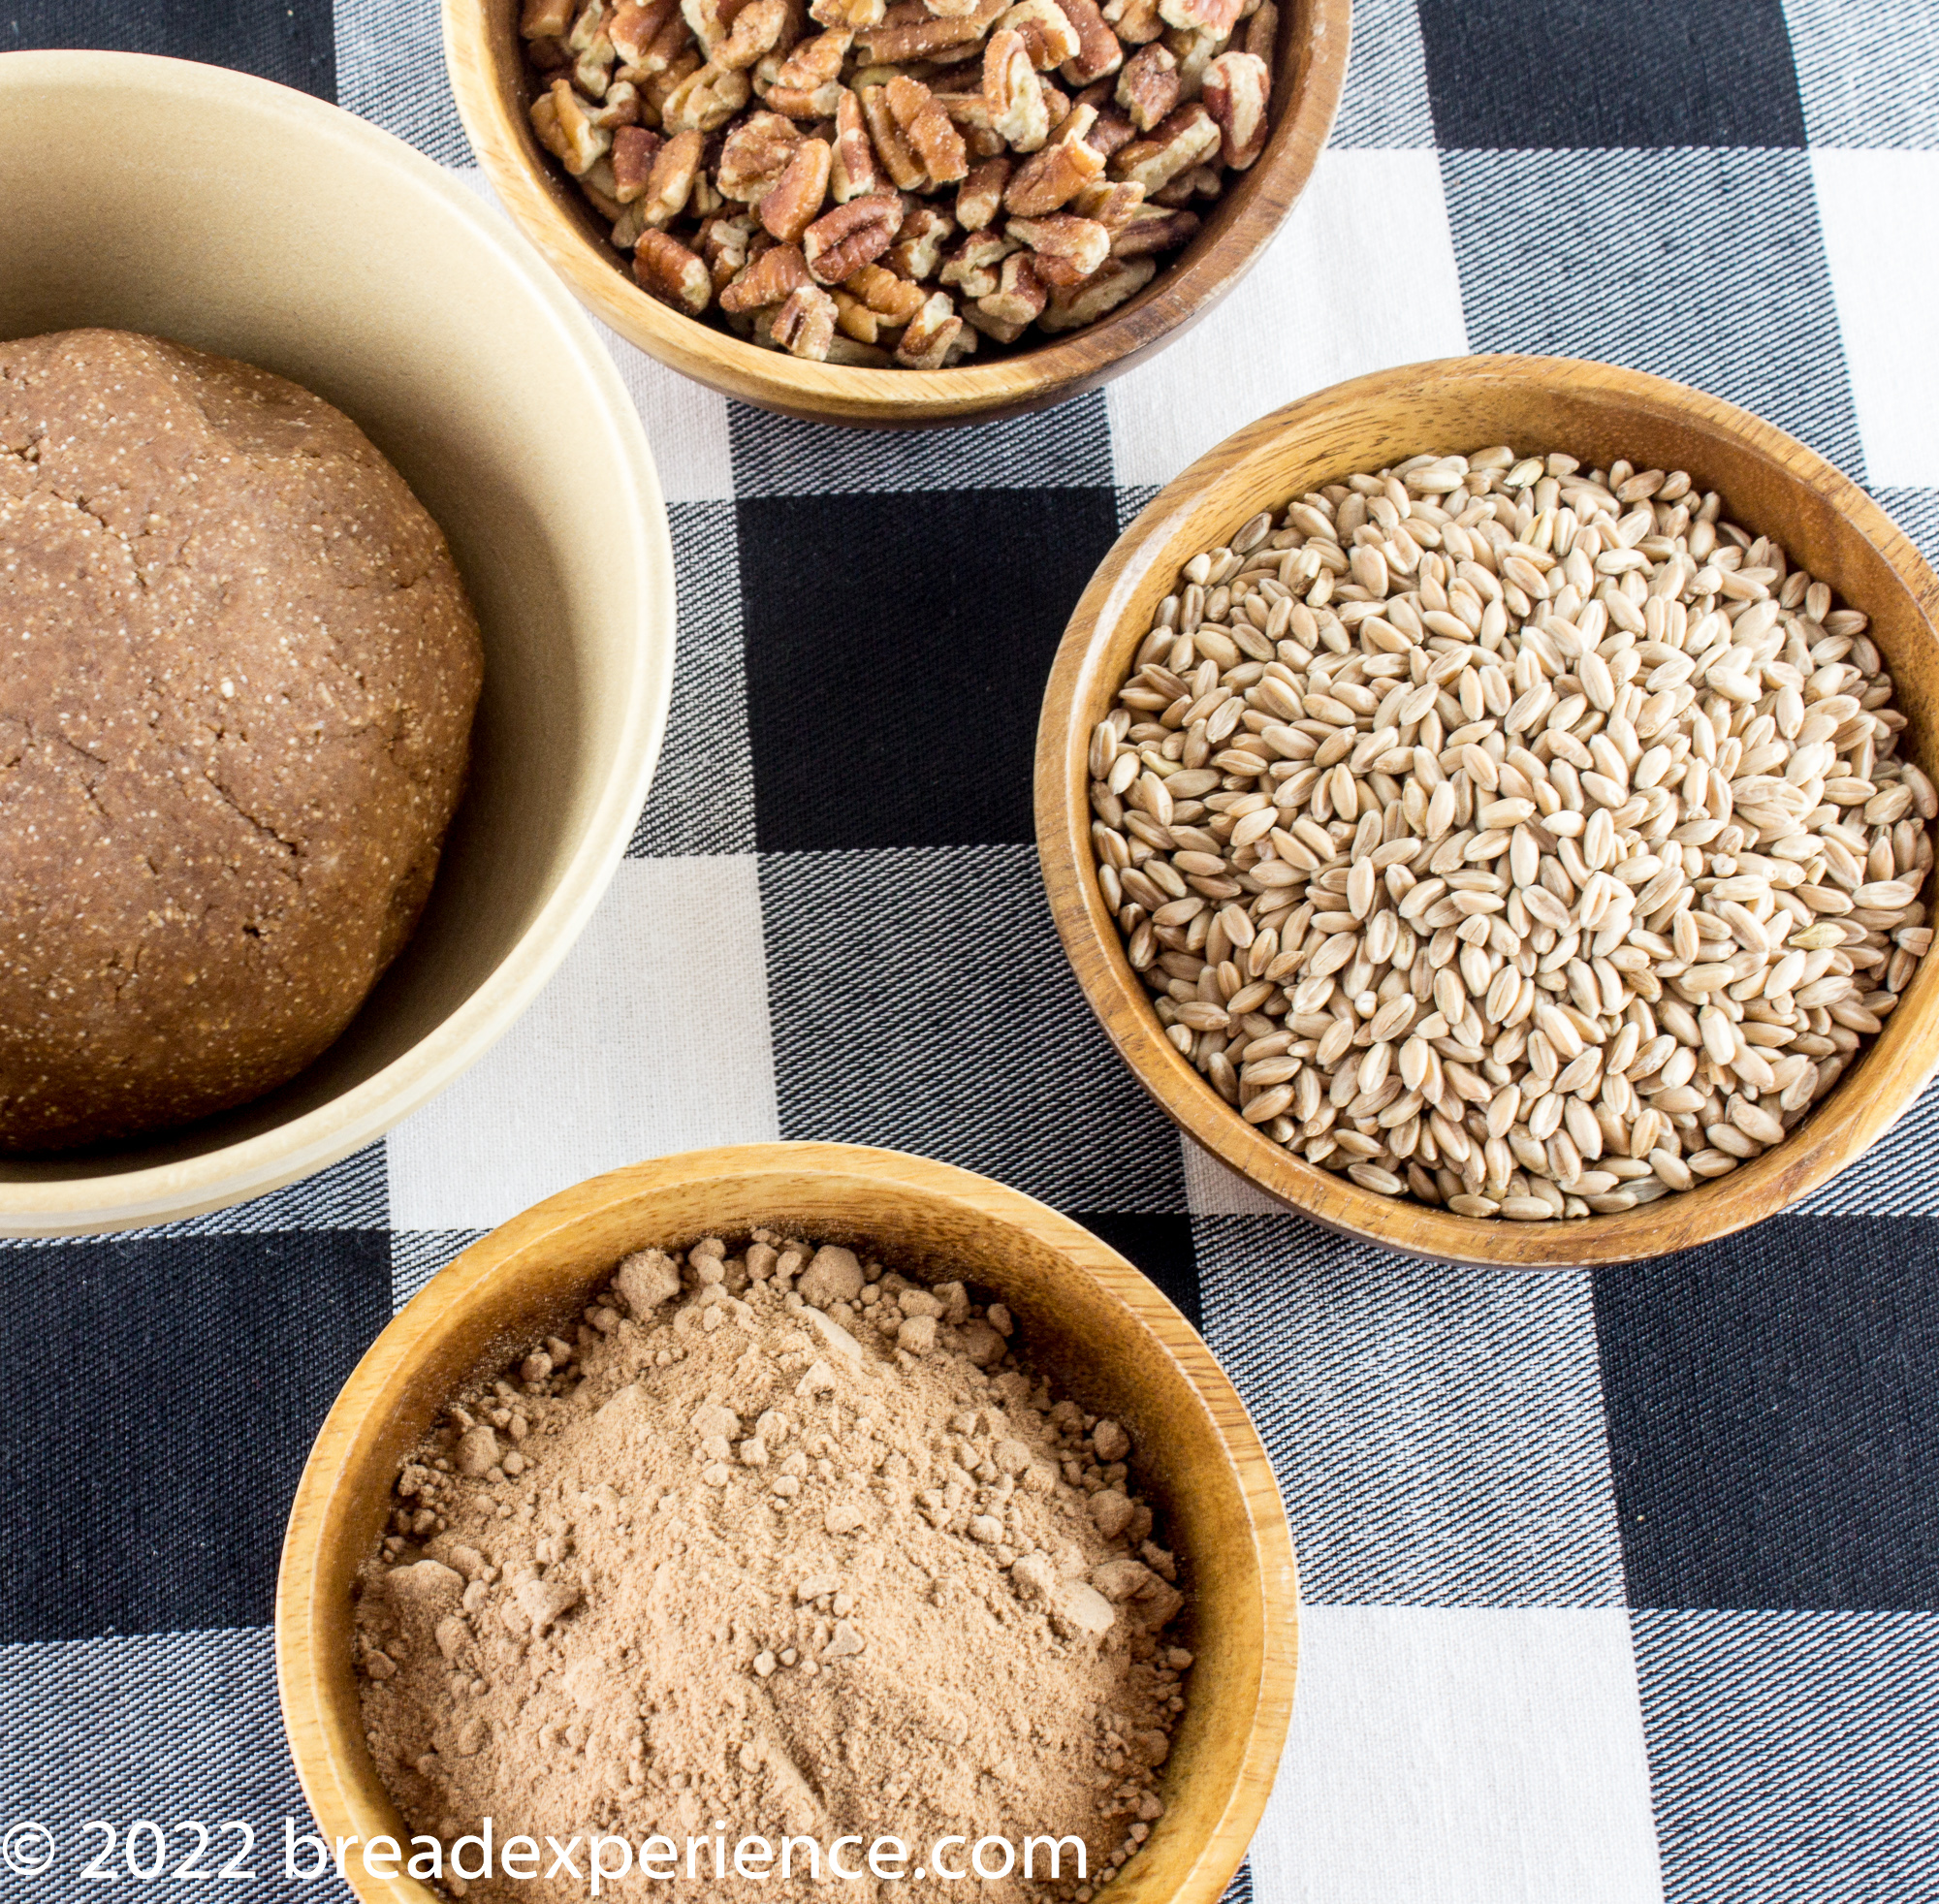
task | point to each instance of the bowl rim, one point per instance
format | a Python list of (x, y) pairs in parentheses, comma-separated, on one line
[(307, 1143), (1837, 1132), (1175, 299), (320, 1746)]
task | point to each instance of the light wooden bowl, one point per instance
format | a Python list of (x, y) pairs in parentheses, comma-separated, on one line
[(1769, 483), (258, 223), (1092, 1323), (485, 61)]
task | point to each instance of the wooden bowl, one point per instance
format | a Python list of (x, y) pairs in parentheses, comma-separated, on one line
[(1769, 482), (1092, 1323), (485, 60), (262, 224)]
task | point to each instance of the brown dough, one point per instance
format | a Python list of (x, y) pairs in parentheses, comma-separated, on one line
[(238, 670)]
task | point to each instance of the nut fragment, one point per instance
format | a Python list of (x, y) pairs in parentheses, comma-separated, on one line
[(971, 268), (1098, 53), (1017, 108), (850, 235), (1021, 293), (1046, 32), (804, 325), (892, 299), (808, 84), (796, 198), (705, 100), (1148, 86), (897, 157), (1201, 16), (776, 275), (564, 126), (670, 184), (672, 274), (1068, 248), (1104, 291), (917, 251), (1238, 89), (856, 172), (982, 194), (1175, 144), (927, 130), (633, 151), (754, 155), (931, 332), (1054, 176), (1150, 229), (910, 31), (758, 28)]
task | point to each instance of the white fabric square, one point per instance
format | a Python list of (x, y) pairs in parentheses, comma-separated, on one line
[(1880, 214), (651, 1038), (1461, 1757), (1868, 74), (1214, 1189), (1361, 278)]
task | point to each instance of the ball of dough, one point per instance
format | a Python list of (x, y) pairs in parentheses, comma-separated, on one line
[(238, 670)]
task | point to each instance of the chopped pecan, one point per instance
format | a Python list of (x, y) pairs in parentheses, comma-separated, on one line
[(982, 193), (855, 173), (897, 156), (992, 326), (841, 241), (1136, 22), (1175, 144), (1202, 182), (560, 118), (757, 31), (1084, 304), (705, 100), (1152, 229), (588, 28), (925, 343), (621, 107), (855, 319), (592, 70), (1056, 104), (910, 31), (754, 155), (804, 325), (1020, 295), (808, 82), (893, 300), (1148, 86), (1046, 31), (598, 185), (668, 48), (1112, 132), (1010, 89), (668, 270), (1201, 16), (636, 24), (971, 267), (951, 8), (925, 129), (659, 88), (1112, 203), (1064, 243), (1194, 52), (777, 273), (723, 244), (706, 201), (1259, 35), (1097, 49), (853, 14), (796, 198), (670, 182), (917, 251), (706, 19), (632, 156), (858, 355), (546, 19), (1238, 87), (1054, 176)]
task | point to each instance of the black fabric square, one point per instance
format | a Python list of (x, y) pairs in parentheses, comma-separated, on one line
[(293, 41), (1513, 77), (897, 651), (1773, 1432), (1158, 1243), (164, 1397)]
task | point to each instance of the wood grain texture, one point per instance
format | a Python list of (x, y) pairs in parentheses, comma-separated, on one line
[(1769, 482), (1096, 1326), (485, 63)]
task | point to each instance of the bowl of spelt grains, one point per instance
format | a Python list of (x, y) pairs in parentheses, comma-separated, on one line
[(1489, 804), (897, 214)]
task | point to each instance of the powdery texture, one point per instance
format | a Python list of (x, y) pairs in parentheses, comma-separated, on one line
[(803, 1556)]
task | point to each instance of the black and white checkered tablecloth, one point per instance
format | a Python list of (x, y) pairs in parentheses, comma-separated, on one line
[(1620, 1586)]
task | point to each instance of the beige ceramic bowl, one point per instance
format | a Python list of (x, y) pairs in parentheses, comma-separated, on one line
[(256, 222), (1098, 1327)]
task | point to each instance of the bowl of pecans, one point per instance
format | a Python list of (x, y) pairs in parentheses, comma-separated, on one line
[(898, 211), (1489, 805)]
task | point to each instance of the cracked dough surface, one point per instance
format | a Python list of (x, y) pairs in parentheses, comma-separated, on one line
[(238, 670)]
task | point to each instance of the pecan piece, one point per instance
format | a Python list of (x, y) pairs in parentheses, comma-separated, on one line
[(1020, 295), (1201, 16), (804, 325), (671, 44), (1112, 132), (632, 156), (620, 108), (1068, 247), (841, 241), (917, 251), (1046, 31), (982, 194), (1136, 22), (951, 8), (897, 156), (636, 25), (1112, 205), (546, 19), (1148, 86), (1194, 52), (1150, 229), (795, 200), (1238, 87), (705, 100), (992, 326), (565, 130), (658, 87), (777, 273), (1097, 49), (893, 300), (754, 155), (973, 267), (855, 319), (924, 127), (757, 31), (1202, 182), (1084, 304), (1016, 104), (1259, 35), (723, 244), (910, 31), (670, 182), (598, 184), (853, 14), (1054, 176), (669, 272), (861, 357), (931, 332), (855, 173), (808, 85), (1175, 144)]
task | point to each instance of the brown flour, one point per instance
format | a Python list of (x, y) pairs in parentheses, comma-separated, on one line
[(780, 1545)]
